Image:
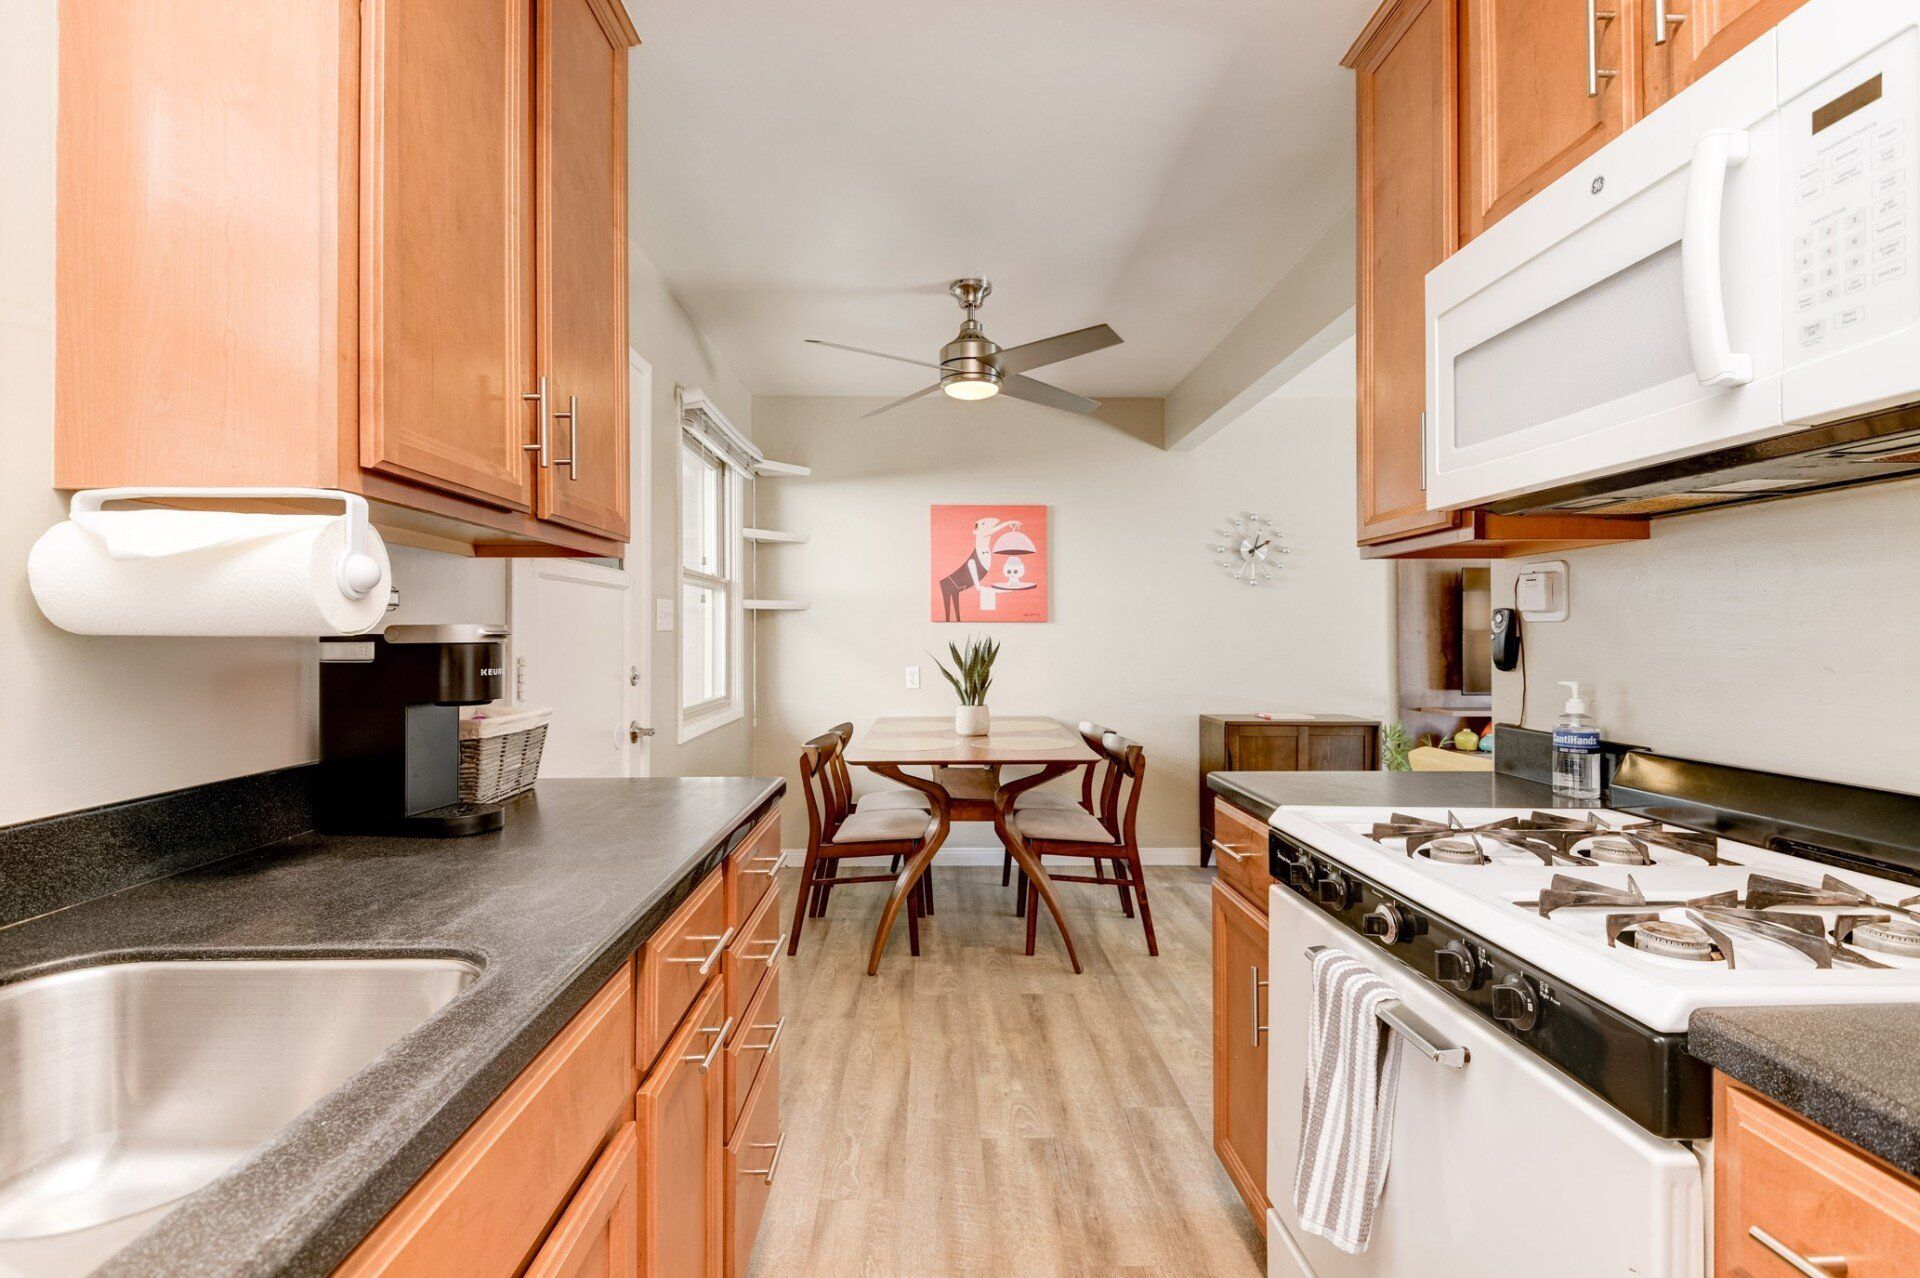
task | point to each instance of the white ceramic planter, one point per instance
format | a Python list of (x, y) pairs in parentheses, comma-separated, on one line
[(971, 721)]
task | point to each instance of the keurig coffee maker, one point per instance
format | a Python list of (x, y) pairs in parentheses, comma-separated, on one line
[(390, 728)]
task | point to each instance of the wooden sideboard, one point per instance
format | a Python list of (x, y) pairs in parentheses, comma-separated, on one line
[(1280, 743)]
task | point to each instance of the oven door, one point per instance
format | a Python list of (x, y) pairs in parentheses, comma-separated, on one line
[(1500, 1166), (1628, 314)]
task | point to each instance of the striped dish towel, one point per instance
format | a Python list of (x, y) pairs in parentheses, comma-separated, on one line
[(1346, 1105)]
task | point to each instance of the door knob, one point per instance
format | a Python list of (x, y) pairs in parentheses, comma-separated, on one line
[(635, 732)]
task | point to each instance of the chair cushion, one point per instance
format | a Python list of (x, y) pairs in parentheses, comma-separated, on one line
[(1061, 825), (979, 784), (884, 800), (1046, 799), (884, 826)]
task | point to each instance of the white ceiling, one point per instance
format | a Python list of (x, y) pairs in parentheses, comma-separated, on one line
[(822, 169)]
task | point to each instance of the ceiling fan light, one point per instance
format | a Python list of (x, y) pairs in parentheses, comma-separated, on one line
[(971, 387)]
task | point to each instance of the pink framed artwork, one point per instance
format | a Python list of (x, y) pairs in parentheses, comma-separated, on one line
[(989, 563)]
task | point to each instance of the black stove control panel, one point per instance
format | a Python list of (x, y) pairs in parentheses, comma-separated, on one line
[(1648, 1076)]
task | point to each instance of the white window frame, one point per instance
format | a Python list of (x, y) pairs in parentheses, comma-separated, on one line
[(706, 716)]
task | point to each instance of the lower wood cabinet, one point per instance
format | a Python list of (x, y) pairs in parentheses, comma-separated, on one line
[(595, 1238), (753, 1160), (678, 1115), (1790, 1197), (1240, 1044)]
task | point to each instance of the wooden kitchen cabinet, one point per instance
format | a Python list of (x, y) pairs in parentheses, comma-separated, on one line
[(752, 1163), (678, 1112), (595, 1238), (1812, 1194), (1240, 1045), (1278, 743), (428, 219), (1411, 197), (1700, 35)]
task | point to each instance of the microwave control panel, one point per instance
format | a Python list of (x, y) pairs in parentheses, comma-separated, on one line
[(1853, 263)]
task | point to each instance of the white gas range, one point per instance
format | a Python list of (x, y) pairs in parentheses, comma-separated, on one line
[(1550, 1119)]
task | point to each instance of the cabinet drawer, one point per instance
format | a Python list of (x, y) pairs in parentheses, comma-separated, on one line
[(755, 1042), (1240, 843), (754, 951), (595, 1238), (676, 963), (753, 1160), (1806, 1190), (484, 1207), (752, 867)]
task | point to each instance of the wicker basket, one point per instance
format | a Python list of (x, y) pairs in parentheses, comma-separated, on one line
[(500, 753)]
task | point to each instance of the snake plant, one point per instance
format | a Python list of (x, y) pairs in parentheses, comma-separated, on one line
[(972, 674)]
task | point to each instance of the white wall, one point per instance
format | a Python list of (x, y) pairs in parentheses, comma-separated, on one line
[(1146, 634), (94, 720), (1783, 636)]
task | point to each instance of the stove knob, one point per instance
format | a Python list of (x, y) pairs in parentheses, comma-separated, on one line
[(1336, 890), (1388, 922), (1300, 874), (1515, 1002), (1455, 965)]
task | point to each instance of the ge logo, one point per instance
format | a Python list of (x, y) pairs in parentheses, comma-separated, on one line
[(1599, 185)]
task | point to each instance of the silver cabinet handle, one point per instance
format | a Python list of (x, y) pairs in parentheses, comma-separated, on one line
[(776, 863), (539, 448), (1805, 1266), (773, 1164), (712, 956), (1662, 19), (1224, 850), (772, 956), (1253, 998), (1595, 72), (777, 1027), (1413, 1031), (572, 460), (1423, 452), (705, 1059)]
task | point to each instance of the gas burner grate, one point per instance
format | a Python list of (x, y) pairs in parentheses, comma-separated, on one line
[(1555, 839)]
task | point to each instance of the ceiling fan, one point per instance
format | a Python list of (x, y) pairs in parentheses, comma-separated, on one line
[(973, 367)]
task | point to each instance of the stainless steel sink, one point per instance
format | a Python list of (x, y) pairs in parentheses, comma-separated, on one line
[(126, 1086)]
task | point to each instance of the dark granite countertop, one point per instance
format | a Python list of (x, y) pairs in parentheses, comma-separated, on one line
[(549, 907), (1261, 792), (1855, 1070)]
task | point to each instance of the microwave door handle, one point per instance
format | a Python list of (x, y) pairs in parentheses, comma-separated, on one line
[(1715, 362)]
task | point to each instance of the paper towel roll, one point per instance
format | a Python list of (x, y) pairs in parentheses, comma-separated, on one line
[(190, 572)]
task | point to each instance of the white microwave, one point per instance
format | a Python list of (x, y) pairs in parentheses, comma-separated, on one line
[(1720, 304)]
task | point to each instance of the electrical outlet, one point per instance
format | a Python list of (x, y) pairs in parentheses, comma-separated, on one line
[(913, 676), (663, 614)]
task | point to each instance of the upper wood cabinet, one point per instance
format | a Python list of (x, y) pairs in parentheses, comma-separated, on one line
[(339, 244), (1682, 40), (1545, 86)]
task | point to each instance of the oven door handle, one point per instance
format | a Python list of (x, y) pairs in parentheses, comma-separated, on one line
[(1413, 1031)]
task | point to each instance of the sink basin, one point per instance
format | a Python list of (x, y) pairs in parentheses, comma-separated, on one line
[(126, 1086)]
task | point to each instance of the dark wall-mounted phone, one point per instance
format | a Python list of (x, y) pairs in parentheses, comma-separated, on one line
[(1506, 638)]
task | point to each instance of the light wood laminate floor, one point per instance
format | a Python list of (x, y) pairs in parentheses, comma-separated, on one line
[(978, 1112)]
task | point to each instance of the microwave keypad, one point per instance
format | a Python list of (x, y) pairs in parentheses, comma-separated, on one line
[(1853, 245)]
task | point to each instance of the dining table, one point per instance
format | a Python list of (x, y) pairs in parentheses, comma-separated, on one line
[(893, 745)]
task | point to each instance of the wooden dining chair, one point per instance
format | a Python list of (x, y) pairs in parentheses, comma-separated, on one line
[(1109, 834), (875, 801), (836, 832), (1091, 733)]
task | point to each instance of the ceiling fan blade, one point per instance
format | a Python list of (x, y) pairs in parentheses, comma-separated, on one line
[(860, 350), (904, 399), (1041, 393), (1051, 350)]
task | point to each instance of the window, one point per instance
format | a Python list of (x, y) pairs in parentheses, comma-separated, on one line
[(709, 589)]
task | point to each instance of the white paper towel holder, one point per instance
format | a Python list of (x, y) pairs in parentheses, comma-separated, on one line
[(356, 573)]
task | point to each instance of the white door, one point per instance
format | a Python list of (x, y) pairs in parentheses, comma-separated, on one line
[(581, 643)]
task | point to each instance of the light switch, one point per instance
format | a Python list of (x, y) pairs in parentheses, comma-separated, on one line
[(913, 676), (663, 614)]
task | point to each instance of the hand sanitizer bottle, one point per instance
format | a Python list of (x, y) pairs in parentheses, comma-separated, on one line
[(1576, 749)]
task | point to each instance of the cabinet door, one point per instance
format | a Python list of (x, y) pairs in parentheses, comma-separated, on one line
[(1240, 1045), (446, 310), (679, 1120), (595, 1236), (1698, 36), (753, 1160), (581, 104), (1540, 95), (1406, 96), (1262, 749), (1339, 749)]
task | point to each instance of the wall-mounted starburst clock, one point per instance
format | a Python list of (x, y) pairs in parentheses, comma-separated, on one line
[(1249, 548)]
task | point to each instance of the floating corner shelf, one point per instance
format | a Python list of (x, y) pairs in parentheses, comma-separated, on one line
[(771, 535), (777, 469), (777, 605)]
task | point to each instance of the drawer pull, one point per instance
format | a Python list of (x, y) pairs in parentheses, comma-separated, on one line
[(772, 955), (713, 955), (773, 1164), (1806, 1266), (771, 1043), (777, 862), (705, 1059), (1226, 851)]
